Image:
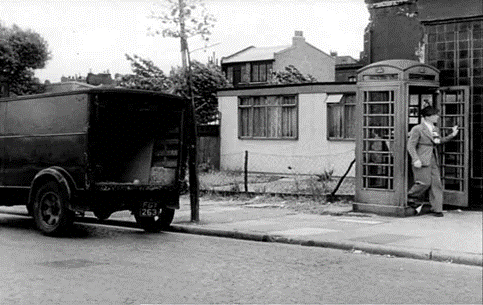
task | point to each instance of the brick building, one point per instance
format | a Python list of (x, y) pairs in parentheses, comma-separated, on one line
[(346, 68), (446, 34)]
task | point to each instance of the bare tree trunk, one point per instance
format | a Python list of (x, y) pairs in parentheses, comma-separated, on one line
[(182, 34)]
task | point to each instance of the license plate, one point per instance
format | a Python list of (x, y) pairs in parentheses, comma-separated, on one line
[(148, 209)]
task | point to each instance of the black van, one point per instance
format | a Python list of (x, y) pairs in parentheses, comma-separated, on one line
[(100, 150)]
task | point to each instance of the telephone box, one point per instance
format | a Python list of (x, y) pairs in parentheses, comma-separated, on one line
[(390, 95)]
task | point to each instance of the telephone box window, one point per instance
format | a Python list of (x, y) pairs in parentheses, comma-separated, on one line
[(415, 76), (381, 77), (452, 163), (378, 140)]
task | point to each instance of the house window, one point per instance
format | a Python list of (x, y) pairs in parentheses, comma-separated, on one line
[(233, 74), (237, 74), (268, 117), (229, 74), (341, 109), (260, 72)]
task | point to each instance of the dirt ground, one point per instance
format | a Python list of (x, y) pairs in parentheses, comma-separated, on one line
[(314, 185), (300, 204)]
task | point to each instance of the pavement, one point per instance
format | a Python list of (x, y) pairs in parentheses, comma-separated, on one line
[(454, 238)]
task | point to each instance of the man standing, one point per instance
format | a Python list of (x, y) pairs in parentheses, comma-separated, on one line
[(422, 142)]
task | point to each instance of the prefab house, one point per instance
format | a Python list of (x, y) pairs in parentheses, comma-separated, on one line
[(291, 129)]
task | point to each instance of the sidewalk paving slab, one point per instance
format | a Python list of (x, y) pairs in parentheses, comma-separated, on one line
[(456, 238)]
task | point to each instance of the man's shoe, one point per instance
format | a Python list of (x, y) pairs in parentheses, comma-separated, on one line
[(424, 209), (438, 214)]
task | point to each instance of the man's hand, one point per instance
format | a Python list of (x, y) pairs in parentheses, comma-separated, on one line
[(455, 131), (417, 164)]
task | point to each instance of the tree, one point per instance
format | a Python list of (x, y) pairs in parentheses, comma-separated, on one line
[(182, 22), (21, 52), (146, 76), (291, 75), (206, 79)]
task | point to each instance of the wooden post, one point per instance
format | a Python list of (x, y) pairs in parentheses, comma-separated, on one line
[(246, 171), (193, 170)]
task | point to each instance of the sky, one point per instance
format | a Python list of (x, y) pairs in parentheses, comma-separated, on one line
[(94, 35)]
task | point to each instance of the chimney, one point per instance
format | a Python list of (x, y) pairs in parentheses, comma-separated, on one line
[(298, 39)]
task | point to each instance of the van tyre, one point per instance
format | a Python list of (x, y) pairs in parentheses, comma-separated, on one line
[(51, 213), (157, 223)]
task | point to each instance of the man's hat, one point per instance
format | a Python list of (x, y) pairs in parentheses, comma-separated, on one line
[(429, 111)]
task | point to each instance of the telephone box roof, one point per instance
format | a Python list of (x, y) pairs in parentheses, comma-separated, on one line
[(400, 64)]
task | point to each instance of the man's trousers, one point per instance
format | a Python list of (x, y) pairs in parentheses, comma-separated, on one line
[(428, 177)]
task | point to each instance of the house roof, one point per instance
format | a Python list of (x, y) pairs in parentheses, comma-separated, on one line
[(254, 54), (340, 60)]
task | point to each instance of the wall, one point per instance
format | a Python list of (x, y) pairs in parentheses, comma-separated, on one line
[(394, 32), (344, 73), (308, 60), (311, 153), (456, 48), (435, 9)]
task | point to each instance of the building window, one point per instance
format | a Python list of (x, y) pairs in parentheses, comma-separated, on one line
[(260, 72), (341, 109), (237, 74), (233, 74), (229, 74), (268, 117)]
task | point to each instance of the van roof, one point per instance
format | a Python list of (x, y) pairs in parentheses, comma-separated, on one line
[(94, 91)]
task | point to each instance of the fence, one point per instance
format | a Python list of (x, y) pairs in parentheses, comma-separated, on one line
[(271, 173), (209, 147)]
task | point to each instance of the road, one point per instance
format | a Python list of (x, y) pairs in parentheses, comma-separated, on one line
[(110, 265)]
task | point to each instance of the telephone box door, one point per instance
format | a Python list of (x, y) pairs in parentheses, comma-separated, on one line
[(454, 155)]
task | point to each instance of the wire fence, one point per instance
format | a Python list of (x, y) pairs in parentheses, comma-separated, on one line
[(272, 173)]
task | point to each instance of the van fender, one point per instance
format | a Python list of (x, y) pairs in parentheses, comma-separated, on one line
[(55, 173)]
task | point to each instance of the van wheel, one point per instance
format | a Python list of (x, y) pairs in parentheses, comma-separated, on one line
[(157, 223), (51, 213)]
